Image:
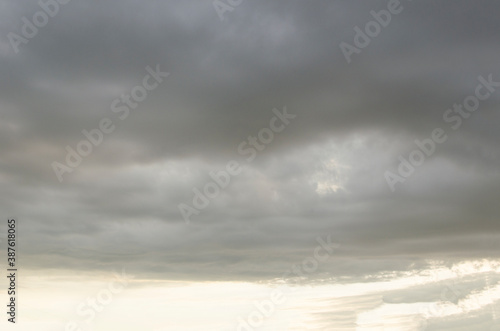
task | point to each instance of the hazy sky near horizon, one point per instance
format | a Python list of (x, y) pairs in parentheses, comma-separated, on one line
[(323, 174)]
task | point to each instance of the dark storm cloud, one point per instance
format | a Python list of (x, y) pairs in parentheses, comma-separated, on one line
[(226, 77)]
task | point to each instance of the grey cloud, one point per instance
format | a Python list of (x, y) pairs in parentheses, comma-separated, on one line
[(226, 77)]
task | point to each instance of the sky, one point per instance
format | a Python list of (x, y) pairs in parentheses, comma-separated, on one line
[(208, 147)]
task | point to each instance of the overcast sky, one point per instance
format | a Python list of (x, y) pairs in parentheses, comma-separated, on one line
[(324, 173)]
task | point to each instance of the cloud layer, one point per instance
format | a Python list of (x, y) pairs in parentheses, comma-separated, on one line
[(323, 174)]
